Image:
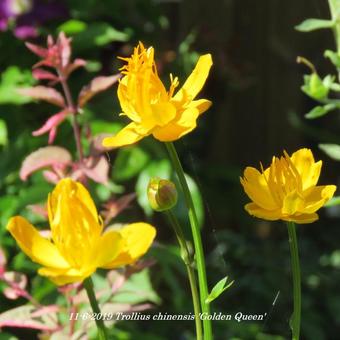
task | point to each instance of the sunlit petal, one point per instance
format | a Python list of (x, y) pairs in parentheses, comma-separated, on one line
[(39, 249)]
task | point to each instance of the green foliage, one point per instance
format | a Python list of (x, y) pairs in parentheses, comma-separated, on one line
[(314, 24), (218, 289), (331, 150), (3, 133), (11, 79), (129, 162)]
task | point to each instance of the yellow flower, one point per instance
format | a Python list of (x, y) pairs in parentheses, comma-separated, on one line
[(287, 190), (153, 109), (78, 245)]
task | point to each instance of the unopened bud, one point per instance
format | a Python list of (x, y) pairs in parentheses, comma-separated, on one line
[(162, 194)]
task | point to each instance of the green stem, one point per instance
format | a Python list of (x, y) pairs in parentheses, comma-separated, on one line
[(188, 261), (88, 284), (202, 277), (334, 6), (294, 253)]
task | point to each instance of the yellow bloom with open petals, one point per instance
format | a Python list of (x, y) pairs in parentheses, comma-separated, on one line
[(78, 245), (153, 109), (287, 190)]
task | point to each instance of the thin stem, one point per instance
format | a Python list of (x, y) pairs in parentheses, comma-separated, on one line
[(73, 108), (295, 264), (88, 285), (202, 276), (188, 261), (334, 6)]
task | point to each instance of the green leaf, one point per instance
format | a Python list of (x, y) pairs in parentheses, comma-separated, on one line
[(141, 286), (72, 27), (333, 202), (102, 126), (98, 34), (129, 162), (331, 150), (11, 79), (320, 111), (314, 24), (334, 57), (218, 289), (315, 87), (3, 132)]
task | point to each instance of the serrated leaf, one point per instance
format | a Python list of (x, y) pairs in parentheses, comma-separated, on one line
[(45, 93), (218, 289), (97, 85), (314, 24), (331, 150), (320, 111), (44, 157)]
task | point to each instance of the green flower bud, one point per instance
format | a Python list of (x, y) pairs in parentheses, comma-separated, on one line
[(162, 194)]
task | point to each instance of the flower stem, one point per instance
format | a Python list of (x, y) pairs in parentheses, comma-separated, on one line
[(73, 108), (202, 277), (188, 261), (88, 285), (295, 263)]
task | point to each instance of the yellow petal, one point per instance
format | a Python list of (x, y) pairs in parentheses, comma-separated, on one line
[(63, 277), (292, 203), (39, 249), (74, 222), (125, 100), (256, 188), (309, 170), (195, 81), (255, 210), (128, 135), (302, 218), (138, 238), (64, 189), (201, 105), (316, 197), (110, 245), (162, 113), (179, 127)]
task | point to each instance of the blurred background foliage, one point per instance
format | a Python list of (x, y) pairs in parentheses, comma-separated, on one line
[(258, 110)]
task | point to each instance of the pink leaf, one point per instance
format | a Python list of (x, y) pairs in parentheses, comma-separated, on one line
[(40, 51), (51, 176), (17, 283), (48, 94), (23, 317), (97, 169), (97, 85), (50, 124), (114, 207), (64, 48), (41, 74), (3, 261), (42, 158), (52, 135), (73, 66)]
